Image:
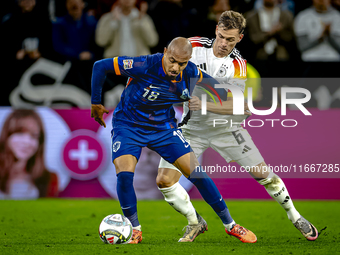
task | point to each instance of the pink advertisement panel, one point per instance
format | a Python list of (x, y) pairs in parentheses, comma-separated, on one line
[(302, 150)]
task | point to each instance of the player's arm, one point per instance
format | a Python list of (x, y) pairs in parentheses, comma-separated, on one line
[(225, 104), (226, 107), (100, 69), (208, 82)]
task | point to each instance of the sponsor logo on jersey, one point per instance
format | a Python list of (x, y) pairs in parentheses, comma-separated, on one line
[(127, 63), (222, 71), (116, 146), (153, 87), (185, 94)]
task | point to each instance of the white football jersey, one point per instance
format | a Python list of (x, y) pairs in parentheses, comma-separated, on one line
[(231, 69)]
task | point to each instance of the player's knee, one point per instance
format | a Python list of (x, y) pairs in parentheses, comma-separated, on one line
[(125, 163), (260, 171), (164, 181)]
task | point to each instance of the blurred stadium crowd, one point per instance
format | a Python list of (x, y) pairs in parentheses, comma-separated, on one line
[(49, 46)]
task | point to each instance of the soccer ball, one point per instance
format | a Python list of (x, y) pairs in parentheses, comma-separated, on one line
[(115, 229)]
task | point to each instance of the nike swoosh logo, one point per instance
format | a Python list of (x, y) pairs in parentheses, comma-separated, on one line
[(191, 237), (153, 87), (221, 199), (186, 146)]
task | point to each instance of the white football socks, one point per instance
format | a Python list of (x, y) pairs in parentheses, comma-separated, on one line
[(139, 227), (229, 226), (179, 199), (277, 190)]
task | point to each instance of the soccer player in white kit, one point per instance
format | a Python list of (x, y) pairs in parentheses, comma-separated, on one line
[(220, 59)]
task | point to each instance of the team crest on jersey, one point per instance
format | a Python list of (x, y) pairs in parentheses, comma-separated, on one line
[(127, 63), (222, 71), (185, 94), (116, 146)]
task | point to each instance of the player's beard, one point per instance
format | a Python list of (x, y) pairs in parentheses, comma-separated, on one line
[(172, 75)]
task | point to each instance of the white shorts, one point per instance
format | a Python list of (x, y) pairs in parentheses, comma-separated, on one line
[(235, 145)]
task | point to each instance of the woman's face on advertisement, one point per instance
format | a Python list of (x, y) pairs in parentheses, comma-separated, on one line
[(25, 144)]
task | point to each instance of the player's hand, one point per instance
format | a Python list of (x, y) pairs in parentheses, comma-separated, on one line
[(230, 104), (195, 104), (326, 31), (97, 112), (246, 110), (21, 54), (276, 29)]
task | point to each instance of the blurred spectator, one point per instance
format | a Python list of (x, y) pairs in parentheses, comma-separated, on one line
[(23, 174), (100, 7), (217, 9), (73, 34), (208, 26), (318, 32), (174, 18), (271, 31), (26, 33), (74, 40), (242, 6), (285, 5), (57, 8), (126, 30)]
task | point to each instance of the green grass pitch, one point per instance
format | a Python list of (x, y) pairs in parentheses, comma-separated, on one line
[(67, 226)]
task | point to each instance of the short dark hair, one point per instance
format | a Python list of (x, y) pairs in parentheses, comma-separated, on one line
[(232, 20)]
